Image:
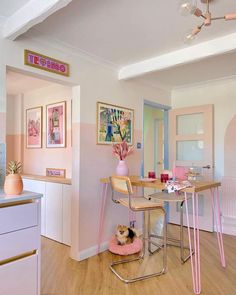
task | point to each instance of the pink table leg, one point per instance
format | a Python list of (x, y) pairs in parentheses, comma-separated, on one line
[(195, 262), (102, 211), (217, 219)]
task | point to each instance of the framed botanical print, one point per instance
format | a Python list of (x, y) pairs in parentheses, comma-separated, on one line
[(34, 127), (114, 124), (56, 125)]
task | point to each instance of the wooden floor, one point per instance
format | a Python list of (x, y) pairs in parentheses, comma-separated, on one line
[(64, 276)]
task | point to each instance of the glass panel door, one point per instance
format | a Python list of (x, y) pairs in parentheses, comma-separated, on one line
[(191, 144)]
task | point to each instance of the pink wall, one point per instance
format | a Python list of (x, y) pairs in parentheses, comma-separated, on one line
[(36, 160), (3, 127)]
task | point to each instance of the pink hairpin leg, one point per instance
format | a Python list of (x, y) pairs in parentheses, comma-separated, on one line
[(101, 217), (132, 214), (218, 224), (195, 262)]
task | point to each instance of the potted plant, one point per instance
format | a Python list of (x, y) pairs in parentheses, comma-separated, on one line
[(13, 182)]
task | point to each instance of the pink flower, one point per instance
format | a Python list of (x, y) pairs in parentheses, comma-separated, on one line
[(122, 150)]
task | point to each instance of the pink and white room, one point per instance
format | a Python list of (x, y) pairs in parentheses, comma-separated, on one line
[(117, 142)]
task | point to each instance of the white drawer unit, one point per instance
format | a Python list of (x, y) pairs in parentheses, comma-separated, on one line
[(13, 218), (20, 244), (18, 278)]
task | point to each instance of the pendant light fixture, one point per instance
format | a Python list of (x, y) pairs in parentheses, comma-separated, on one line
[(190, 7)]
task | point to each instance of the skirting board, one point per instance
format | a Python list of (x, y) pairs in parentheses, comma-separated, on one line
[(84, 254), (229, 225)]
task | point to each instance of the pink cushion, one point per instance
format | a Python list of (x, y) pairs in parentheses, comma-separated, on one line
[(127, 249)]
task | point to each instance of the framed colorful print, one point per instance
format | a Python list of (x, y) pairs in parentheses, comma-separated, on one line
[(55, 172), (34, 128), (56, 125), (114, 124)]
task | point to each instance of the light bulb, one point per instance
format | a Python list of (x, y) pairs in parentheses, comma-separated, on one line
[(187, 7), (190, 36)]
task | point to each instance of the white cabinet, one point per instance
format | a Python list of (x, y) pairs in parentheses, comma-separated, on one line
[(66, 214), (20, 245), (38, 187), (18, 277), (56, 209)]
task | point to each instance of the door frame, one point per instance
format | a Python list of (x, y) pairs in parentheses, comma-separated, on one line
[(166, 109)]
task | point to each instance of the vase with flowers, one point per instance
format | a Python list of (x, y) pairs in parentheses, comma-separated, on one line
[(121, 151)]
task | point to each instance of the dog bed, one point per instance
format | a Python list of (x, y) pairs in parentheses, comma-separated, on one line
[(127, 249)]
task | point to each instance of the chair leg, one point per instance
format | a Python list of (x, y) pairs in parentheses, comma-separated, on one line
[(175, 242), (141, 256), (182, 247)]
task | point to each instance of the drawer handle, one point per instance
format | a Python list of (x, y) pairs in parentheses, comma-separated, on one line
[(16, 203), (18, 257)]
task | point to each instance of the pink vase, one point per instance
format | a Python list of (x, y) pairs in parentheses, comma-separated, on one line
[(122, 168)]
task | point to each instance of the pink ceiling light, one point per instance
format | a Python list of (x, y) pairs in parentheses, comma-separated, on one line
[(190, 7)]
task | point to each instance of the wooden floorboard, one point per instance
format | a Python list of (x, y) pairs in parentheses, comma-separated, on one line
[(64, 276)]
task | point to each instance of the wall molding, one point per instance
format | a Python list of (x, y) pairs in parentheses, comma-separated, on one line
[(229, 225), (92, 251)]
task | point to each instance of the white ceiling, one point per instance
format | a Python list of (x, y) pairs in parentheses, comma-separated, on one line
[(213, 68), (18, 83), (9, 7), (127, 31)]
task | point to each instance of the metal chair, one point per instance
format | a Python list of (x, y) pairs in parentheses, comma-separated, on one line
[(121, 184), (179, 198)]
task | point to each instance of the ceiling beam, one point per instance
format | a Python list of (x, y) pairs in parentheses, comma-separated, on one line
[(183, 56), (29, 15)]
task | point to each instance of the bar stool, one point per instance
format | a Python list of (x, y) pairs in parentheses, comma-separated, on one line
[(122, 185), (176, 197)]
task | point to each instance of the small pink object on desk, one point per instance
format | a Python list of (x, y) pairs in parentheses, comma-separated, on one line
[(164, 177), (151, 174)]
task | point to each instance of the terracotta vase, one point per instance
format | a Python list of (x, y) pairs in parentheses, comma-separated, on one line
[(122, 168), (13, 184)]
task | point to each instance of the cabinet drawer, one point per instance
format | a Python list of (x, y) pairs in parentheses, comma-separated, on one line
[(19, 277), (17, 217), (15, 243)]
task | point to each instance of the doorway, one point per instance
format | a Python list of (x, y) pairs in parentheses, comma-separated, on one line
[(29, 103), (155, 138)]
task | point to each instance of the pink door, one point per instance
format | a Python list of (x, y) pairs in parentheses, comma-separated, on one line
[(191, 145)]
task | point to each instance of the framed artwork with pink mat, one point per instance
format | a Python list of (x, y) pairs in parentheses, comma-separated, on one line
[(34, 127), (56, 125)]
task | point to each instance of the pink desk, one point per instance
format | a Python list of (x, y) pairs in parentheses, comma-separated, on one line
[(192, 192)]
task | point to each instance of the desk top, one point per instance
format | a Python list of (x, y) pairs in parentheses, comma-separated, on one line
[(198, 186)]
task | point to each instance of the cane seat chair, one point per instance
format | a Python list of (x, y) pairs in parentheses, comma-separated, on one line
[(122, 185)]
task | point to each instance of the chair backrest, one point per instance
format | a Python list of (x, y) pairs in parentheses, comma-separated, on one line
[(121, 184), (180, 172)]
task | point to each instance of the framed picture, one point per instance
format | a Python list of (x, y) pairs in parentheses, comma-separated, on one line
[(114, 124), (55, 172), (34, 128), (56, 125)]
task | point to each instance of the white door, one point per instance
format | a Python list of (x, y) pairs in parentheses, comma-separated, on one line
[(191, 144)]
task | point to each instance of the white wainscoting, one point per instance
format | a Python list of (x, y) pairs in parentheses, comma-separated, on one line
[(229, 205)]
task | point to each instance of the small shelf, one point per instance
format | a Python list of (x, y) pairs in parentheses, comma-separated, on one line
[(47, 178)]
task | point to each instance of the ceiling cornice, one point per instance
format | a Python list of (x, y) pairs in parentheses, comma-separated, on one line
[(52, 42), (190, 54)]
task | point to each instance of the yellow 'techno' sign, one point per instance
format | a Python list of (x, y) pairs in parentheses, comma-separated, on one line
[(46, 63)]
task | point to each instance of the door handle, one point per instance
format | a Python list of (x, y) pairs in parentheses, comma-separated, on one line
[(207, 167)]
